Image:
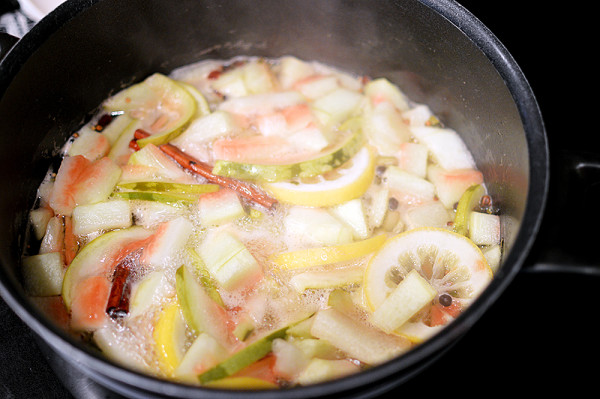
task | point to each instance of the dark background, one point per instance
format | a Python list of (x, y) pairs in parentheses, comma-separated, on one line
[(540, 336)]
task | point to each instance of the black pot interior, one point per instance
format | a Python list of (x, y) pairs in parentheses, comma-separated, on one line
[(56, 76)]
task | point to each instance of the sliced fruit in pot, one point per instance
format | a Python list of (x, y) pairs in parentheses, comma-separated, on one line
[(203, 277), (39, 218), (258, 374), (316, 86), (408, 188), (409, 296), (115, 128), (101, 216), (148, 292), (200, 311), (358, 340), (120, 150), (353, 214), (90, 144), (289, 359), (413, 158), (220, 207), (426, 214), (327, 279), (166, 198), (384, 126), (326, 161), (54, 236), (315, 227), (43, 274), (202, 130), (418, 331), (337, 105), (80, 181), (88, 311), (202, 107), (204, 353), (382, 90), (252, 77), (451, 184), (93, 266), (260, 104), (319, 370), (449, 262), (229, 261), (167, 243), (163, 167), (118, 347), (256, 149), (242, 358), (165, 192), (170, 187), (163, 106), (484, 228), (445, 147), (293, 70)]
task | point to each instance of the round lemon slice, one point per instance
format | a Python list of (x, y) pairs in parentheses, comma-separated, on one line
[(451, 263), (344, 184)]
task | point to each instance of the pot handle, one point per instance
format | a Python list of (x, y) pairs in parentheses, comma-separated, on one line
[(7, 42), (567, 240)]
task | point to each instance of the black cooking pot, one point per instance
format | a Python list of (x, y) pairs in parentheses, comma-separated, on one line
[(52, 80)]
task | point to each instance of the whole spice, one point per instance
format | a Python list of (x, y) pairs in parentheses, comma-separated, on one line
[(205, 170), (103, 122), (118, 299)]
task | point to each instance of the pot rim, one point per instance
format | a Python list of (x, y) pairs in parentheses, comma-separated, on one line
[(531, 117)]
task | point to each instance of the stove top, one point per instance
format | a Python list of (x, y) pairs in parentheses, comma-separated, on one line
[(537, 338)]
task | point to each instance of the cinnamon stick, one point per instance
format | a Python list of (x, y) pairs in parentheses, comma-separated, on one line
[(205, 170), (118, 299), (140, 134), (134, 145)]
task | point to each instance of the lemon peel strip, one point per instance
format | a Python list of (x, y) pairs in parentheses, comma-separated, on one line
[(320, 256), (168, 358)]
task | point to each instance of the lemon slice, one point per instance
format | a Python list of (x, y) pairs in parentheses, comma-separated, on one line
[(451, 263), (468, 201), (349, 183), (320, 256), (169, 337)]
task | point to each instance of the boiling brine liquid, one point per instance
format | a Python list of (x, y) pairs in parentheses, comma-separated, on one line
[(261, 222)]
